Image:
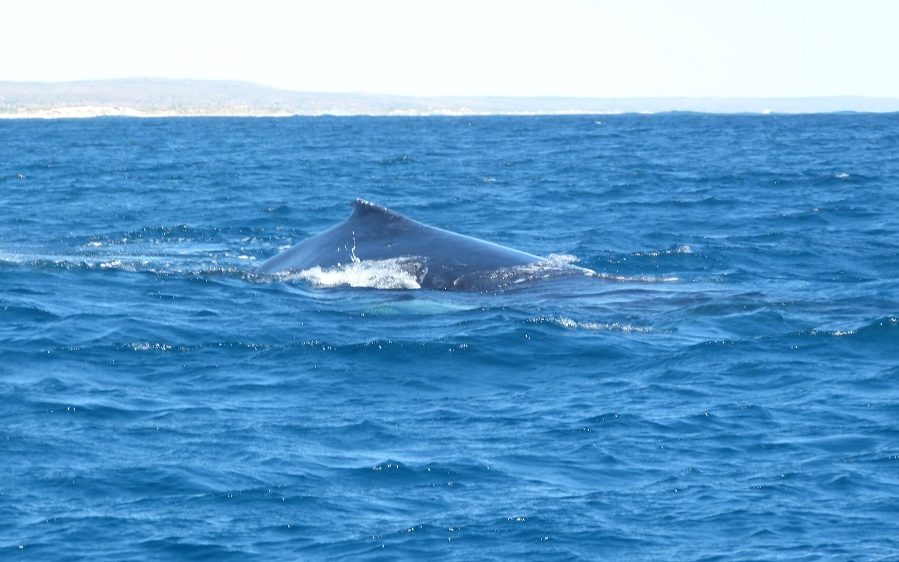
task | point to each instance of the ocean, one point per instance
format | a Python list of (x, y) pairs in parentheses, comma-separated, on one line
[(725, 388)]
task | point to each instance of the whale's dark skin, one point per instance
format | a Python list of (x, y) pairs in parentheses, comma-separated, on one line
[(450, 261)]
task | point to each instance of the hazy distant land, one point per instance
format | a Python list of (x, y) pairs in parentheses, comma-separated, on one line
[(161, 98)]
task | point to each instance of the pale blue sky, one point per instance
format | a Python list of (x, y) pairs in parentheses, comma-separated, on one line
[(462, 47)]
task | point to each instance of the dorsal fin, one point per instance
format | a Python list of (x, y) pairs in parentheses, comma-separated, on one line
[(362, 208)]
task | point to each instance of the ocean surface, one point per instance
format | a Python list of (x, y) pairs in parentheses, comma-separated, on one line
[(726, 388)]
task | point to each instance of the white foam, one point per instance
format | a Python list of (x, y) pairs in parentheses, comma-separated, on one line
[(562, 259), (394, 273)]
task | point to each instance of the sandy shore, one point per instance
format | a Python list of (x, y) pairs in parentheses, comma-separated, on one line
[(88, 111)]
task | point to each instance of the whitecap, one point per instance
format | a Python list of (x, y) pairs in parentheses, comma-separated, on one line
[(114, 264), (149, 346)]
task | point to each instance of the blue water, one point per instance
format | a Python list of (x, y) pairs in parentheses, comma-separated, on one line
[(727, 389)]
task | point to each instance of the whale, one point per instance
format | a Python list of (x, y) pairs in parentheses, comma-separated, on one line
[(436, 258)]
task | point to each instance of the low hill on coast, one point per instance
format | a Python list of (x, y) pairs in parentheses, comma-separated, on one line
[(152, 97)]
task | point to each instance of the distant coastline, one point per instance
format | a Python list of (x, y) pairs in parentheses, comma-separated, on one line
[(150, 97)]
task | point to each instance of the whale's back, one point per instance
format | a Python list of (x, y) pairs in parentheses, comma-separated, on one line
[(449, 260)]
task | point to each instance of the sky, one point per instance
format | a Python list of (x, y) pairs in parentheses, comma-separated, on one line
[(599, 48)]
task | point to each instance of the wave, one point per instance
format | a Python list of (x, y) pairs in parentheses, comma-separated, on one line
[(877, 330), (679, 249), (174, 265), (564, 322), (635, 278)]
